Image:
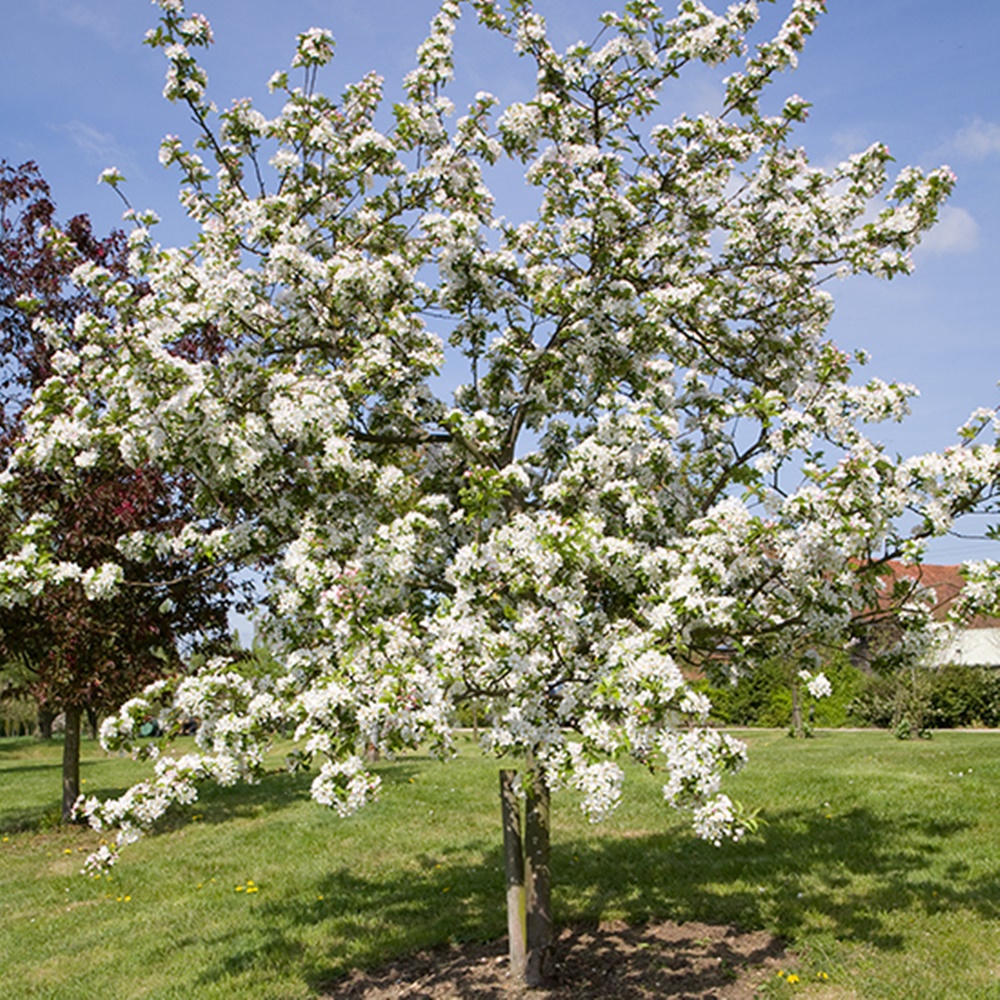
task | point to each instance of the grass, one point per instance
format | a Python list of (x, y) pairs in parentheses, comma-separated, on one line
[(878, 861)]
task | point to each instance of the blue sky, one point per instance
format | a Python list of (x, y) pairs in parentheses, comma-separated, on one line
[(82, 93)]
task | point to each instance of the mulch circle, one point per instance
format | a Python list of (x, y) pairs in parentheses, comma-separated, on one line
[(610, 962)]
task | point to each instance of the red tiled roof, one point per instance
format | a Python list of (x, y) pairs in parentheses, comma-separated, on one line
[(945, 583)]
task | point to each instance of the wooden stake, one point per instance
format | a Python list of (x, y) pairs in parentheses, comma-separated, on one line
[(513, 853), (538, 877)]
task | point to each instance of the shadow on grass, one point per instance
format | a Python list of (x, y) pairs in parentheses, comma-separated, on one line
[(802, 873), (16, 746), (216, 804), (42, 766), (37, 819)]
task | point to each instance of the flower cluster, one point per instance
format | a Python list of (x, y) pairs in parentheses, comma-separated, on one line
[(345, 786), (818, 685)]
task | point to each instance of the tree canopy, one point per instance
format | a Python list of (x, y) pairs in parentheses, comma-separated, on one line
[(109, 624), (547, 458)]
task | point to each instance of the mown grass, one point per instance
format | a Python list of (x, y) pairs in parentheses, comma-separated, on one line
[(878, 861)]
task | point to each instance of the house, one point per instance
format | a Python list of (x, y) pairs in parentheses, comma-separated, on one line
[(977, 642)]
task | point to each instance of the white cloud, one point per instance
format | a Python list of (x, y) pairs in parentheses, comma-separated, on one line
[(978, 140), (96, 146), (956, 232), (101, 149), (91, 18)]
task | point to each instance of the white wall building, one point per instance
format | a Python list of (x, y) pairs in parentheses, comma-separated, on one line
[(976, 644)]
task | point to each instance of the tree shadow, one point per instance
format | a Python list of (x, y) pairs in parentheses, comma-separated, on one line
[(31, 819), (216, 804), (803, 871), (42, 766), (845, 874), (277, 790), (14, 746)]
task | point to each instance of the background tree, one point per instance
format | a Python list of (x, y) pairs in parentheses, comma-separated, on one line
[(83, 648), (653, 457)]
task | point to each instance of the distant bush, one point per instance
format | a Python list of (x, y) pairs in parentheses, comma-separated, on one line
[(764, 697), (878, 702), (956, 697), (761, 698), (948, 697)]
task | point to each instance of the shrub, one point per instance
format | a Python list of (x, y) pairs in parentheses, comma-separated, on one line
[(956, 697), (946, 697), (875, 704), (764, 697)]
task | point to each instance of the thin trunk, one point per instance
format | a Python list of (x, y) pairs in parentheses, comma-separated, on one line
[(538, 877), (797, 728), (45, 720), (513, 854), (71, 763), (529, 875)]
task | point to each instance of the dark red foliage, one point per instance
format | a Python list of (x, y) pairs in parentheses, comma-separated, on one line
[(32, 272), (66, 651)]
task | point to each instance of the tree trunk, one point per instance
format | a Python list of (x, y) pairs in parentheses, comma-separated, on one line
[(529, 876), (45, 720), (71, 763), (92, 721), (797, 728), (513, 856)]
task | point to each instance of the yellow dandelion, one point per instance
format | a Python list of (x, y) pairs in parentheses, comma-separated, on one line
[(822, 975), (792, 978), (239, 888), (69, 850), (128, 899), (320, 896), (252, 888), (249, 882)]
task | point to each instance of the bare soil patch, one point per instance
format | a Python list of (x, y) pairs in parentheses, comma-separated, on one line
[(610, 962)]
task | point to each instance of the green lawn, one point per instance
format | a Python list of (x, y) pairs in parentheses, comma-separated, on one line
[(879, 862)]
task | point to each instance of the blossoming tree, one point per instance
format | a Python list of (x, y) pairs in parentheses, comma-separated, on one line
[(86, 645), (651, 453)]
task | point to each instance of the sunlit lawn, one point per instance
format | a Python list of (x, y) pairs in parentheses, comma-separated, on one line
[(878, 861)]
